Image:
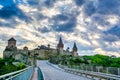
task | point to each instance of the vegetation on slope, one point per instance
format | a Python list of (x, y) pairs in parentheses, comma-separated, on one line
[(96, 60), (7, 66)]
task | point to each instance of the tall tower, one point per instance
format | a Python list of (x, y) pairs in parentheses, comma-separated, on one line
[(60, 46), (11, 44), (75, 49)]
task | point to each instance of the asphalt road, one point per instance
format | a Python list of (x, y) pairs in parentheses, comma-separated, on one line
[(53, 73)]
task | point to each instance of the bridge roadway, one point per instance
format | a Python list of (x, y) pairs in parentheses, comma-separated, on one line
[(50, 72)]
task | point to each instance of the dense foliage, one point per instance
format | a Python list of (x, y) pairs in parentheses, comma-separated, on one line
[(96, 60), (7, 66)]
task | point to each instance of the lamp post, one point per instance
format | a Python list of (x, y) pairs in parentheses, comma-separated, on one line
[(34, 56)]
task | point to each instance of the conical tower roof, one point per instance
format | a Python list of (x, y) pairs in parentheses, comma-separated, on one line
[(74, 45), (60, 44), (60, 40)]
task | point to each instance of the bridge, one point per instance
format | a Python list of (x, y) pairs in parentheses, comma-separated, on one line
[(52, 72), (48, 71)]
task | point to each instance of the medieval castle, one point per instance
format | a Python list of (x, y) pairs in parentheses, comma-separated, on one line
[(41, 52)]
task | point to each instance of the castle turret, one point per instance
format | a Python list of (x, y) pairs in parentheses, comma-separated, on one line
[(49, 46), (25, 48), (11, 44), (67, 49), (10, 48), (60, 46), (75, 50)]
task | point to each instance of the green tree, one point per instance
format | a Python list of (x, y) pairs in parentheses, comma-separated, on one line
[(115, 62)]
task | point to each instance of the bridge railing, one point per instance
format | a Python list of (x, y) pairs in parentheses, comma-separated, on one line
[(108, 70), (24, 74), (97, 71), (40, 75)]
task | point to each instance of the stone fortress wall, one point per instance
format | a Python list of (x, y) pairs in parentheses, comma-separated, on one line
[(41, 52)]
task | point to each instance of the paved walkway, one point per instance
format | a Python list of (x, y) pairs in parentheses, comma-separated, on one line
[(53, 73), (35, 75)]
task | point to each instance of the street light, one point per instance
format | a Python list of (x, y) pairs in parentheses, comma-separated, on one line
[(34, 56)]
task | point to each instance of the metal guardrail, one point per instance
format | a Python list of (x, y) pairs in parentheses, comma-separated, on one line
[(92, 73), (40, 75), (24, 74)]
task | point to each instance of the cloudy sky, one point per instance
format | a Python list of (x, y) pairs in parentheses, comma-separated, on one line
[(93, 24)]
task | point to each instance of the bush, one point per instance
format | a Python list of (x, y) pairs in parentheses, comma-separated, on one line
[(115, 62), (21, 66), (96, 60), (7, 69)]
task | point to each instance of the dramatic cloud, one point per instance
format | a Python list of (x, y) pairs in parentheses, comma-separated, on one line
[(79, 2), (93, 24), (64, 23)]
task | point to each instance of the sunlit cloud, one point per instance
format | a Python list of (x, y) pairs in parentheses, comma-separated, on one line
[(90, 23)]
